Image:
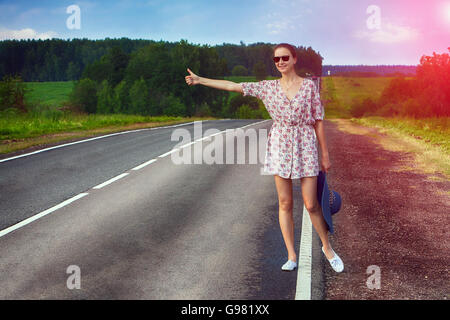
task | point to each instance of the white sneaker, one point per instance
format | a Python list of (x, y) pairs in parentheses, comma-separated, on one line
[(289, 266), (335, 262)]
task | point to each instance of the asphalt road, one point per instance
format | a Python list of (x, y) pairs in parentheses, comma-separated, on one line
[(165, 231)]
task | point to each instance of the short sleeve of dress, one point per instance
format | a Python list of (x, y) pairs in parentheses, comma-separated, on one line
[(317, 109), (254, 89)]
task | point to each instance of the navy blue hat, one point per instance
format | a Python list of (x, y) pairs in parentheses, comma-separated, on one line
[(329, 200)]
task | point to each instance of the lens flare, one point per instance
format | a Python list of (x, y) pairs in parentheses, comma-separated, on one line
[(445, 11)]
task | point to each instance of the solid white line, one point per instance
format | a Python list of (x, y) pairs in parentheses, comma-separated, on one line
[(144, 164), (90, 139), (303, 290), (41, 214), (110, 181)]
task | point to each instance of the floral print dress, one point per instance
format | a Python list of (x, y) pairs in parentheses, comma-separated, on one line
[(291, 150)]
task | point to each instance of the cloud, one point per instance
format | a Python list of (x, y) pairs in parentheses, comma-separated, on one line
[(279, 22), (388, 33), (279, 27), (26, 33)]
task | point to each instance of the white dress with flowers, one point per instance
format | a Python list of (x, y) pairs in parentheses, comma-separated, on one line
[(291, 150)]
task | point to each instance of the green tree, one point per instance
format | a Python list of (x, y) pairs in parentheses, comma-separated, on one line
[(118, 61), (105, 98), (84, 95), (121, 98), (172, 106), (259, 71), (73, 71), (139, 97), (239, 70)]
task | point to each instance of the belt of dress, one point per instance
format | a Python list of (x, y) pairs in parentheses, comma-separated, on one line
[(289, 124)]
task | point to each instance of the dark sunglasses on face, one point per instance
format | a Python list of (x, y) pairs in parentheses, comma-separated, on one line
[(277, 59)]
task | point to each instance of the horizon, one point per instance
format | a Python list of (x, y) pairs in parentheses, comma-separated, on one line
[(346, 33)]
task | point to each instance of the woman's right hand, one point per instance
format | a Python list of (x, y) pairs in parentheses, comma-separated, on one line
[(193, 79)]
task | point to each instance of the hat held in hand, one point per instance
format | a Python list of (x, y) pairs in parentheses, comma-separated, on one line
[(329, 200)]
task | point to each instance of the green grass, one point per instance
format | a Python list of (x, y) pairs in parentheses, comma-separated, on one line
[(433, 130), (53, 94), (27, 126)]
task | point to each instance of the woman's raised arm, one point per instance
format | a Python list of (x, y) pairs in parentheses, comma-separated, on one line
[(227, 85)]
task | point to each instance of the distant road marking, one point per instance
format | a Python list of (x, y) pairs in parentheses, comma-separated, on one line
[(144, 164), (41, 214), (303, 290), (110, 180)]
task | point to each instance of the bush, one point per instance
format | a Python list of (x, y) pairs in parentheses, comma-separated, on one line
[(203, 110), (12, 93), (245, 112), (361, 107), (239, 100), (84, 95), (239, 70), (172, 106)]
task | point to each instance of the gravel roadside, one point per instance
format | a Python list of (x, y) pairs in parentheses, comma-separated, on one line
[(391, 218)]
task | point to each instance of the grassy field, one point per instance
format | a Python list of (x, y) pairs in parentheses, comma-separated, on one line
[(429, 136), (53, 94)]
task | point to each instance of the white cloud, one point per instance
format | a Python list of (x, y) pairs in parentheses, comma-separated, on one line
[(389, 33), (26, 33)]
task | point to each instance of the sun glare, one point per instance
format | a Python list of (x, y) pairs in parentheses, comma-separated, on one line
[(446, 11)]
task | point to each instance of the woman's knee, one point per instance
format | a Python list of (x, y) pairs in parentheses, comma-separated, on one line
[(285, 204), (312, 207)]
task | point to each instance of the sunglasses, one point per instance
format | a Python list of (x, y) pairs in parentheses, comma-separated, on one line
[(277, 59)]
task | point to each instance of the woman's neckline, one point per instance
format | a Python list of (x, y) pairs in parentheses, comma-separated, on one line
[(285, 95)]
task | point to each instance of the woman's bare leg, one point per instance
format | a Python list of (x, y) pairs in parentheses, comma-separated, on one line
[(309, 194), (285, 213)]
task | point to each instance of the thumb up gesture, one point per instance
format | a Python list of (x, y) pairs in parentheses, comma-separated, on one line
[(192, 79)]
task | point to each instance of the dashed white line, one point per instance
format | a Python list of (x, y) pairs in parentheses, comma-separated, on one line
[(144, 164), (167, 153), (66, 202), (41, 214), (110, 180)]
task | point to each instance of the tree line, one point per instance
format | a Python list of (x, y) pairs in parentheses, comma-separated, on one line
[(63, 60), (368, 71), (144, 76), (427, 94)]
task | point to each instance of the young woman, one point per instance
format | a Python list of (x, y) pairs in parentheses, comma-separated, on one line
[(297, 112)]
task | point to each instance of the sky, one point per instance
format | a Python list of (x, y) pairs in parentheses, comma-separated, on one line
[(347, 32)]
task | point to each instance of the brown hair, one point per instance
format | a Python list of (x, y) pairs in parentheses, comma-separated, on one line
[(287, 46)]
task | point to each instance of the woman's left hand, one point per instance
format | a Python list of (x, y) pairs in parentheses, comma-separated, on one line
[(325, 162)]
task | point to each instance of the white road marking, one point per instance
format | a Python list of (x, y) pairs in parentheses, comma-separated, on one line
[(303, 290), (41, 214), (144, 164), (90, 139), (167, 153), (66, 202), (110, 180)]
